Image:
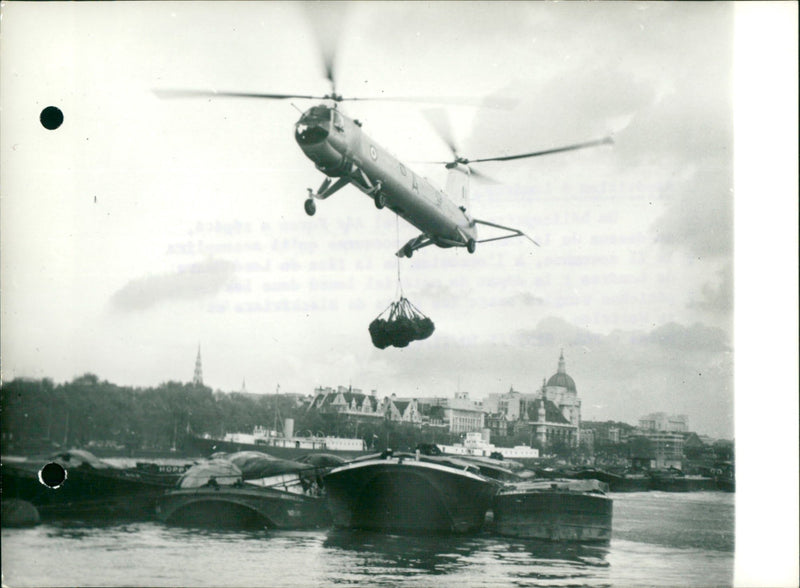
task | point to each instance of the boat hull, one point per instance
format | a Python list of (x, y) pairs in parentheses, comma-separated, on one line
[(19, 513), (683, 484), (553, 514), (726, 484), (407, 496), (128, 493), (242, 508), (630, 484)]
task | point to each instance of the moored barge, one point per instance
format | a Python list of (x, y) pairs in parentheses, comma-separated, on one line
[(554, 510), (248, 490), (408, 493), (679, 482), (88, 487)]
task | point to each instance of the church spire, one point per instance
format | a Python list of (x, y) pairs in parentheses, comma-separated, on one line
[(562, 366), (198, 369)]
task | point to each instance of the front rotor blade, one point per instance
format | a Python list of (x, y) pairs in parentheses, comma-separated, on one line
[(327, 20), (328, 49), (214, 94), (211, 94), (604, 141)]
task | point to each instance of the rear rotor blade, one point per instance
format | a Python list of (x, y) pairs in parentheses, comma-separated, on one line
[(440, 122), (481, 177), (604, 141)]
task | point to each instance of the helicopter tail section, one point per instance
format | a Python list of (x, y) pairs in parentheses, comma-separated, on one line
[(511, 232), (457, 186)]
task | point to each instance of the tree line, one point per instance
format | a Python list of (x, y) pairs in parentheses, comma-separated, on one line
[(88, 412), (85, 410)]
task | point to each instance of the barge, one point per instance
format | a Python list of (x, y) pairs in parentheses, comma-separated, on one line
[(409, 493), (217, 494), (87, 487), (554, 510)]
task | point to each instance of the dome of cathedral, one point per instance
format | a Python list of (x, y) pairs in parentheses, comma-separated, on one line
[(560, 378), (563, 381)]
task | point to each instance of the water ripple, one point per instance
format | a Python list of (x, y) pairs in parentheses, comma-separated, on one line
[(659, 539)]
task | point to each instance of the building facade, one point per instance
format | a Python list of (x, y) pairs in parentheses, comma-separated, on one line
[(458, 414), (661, 421), (347, 401), (656, 450), (552, 415), (659, 441), (352, 402)]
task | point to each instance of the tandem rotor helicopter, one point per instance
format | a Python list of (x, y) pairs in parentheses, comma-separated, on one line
[(346, 155)]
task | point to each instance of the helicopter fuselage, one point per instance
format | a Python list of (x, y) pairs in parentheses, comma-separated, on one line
[(340, 149)]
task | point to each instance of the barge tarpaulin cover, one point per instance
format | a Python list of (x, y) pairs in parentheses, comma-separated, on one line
[(403, 324)]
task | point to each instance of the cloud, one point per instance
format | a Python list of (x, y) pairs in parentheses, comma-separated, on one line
[(717, 296), (696, 337), (556, 332), (621, 375), (196, 281), (668, 104), (699, 217), (525, 299), (573, 106)]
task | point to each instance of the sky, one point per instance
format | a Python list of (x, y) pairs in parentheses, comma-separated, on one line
[(143, 227)]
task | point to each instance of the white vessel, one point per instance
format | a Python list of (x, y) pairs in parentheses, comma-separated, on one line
[(477, 444)]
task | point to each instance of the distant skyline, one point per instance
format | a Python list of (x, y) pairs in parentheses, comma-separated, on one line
[(142, 226)]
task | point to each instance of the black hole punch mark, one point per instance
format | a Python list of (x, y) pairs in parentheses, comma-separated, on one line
[(52, 475), (51, 118)]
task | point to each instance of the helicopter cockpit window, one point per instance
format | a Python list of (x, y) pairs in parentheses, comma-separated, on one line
[(319, 113), (313, 126)]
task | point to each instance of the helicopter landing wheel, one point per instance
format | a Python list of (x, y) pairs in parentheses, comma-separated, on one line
[(380, 200), (408, 251), (471, 246), (310, 207)]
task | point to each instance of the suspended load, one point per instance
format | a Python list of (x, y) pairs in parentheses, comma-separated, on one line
[(403, 323)]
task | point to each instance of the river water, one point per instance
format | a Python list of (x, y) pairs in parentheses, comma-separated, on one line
[(659, 539)]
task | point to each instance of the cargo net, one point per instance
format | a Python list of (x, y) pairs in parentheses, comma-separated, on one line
[(403, 324)]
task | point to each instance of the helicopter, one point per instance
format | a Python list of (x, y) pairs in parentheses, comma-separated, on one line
[(338, 147)]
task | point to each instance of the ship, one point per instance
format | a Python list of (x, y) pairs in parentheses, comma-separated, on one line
[(674, 480), (503, 470), (476, 444), (554, 510), (622, 481), (279, 444), (409, 493), (629, 482), (88, 486), (246, 491)]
